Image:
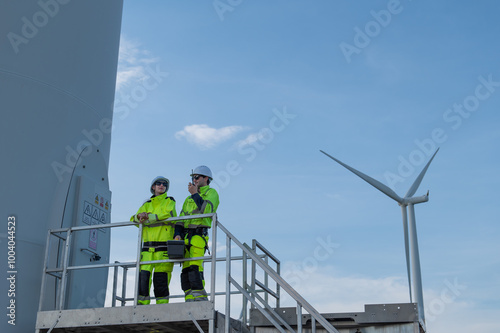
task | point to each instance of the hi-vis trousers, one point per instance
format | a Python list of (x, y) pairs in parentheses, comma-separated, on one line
[(161, 277), (192, 279)]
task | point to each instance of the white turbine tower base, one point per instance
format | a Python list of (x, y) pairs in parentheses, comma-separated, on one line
[(410, 229)]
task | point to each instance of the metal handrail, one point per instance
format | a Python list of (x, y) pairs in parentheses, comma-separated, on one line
[(301, 302), (250, 293), (257, 245), (65, 268)]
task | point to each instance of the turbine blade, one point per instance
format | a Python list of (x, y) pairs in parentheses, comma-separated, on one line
[(373, 182), (407, 247), (417, 181)]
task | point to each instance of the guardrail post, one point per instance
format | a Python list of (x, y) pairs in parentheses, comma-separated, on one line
[(278, 299), (254, 268), (65, 270), (228, 285), (138, 264), (215, 224), (124, 285), (266, 280), (115, 282), (42, 291), (245, 301), (299, 318)]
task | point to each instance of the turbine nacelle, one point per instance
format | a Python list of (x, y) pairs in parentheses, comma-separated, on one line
[(415, 200)]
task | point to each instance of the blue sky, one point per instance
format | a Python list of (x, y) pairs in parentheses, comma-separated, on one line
[(254, 89)]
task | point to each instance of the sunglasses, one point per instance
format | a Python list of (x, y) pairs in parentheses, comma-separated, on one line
[(161, 183), (197, 176)]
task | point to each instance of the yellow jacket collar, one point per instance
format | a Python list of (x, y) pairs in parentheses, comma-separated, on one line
[(204, 189)]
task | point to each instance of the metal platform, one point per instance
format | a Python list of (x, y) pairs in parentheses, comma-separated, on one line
[(379, 318), (196, 317), (175, 318)]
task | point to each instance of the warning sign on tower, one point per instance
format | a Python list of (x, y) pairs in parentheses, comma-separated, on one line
[(93, 239), (102, 219), (95, 213), (94, 206), (87, 210)]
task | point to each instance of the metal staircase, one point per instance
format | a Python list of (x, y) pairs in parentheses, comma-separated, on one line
[(241, 289)]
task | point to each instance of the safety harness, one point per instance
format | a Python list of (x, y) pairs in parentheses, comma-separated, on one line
[(200, 231)]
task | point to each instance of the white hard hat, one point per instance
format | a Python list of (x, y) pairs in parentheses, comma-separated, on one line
[(202, 170), (157, 179)]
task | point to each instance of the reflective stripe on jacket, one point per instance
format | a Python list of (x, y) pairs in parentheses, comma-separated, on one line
[(209, 205), (160, 208)]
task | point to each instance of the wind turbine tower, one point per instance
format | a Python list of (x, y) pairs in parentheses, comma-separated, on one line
[(409, 225)]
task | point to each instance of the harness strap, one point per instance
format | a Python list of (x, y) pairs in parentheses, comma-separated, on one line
[(200, 231)]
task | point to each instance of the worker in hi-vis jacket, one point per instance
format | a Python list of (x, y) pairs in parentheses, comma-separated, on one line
[(154, 241), (202, 200)]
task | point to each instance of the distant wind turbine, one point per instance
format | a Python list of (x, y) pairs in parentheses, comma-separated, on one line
[(410, 235)]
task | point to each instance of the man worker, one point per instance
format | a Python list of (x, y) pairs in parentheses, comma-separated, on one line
[(154, 241), (202, 200)]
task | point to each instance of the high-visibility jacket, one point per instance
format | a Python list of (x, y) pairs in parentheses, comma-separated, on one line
[(160, 207), (204, 202)]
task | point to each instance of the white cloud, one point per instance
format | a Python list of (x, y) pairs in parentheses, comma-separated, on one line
[(131, 63), (205, 137), (265, 135), (250, 139)]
